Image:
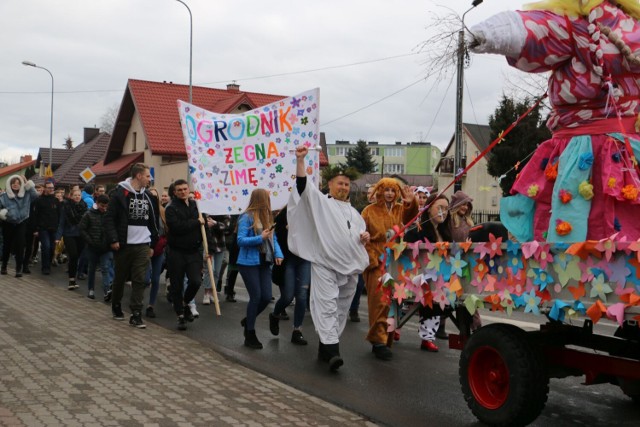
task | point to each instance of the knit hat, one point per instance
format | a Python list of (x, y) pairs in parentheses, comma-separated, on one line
[(458, 199)]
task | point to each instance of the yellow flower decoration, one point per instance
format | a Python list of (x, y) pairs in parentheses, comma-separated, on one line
[(586, 190), (532, 191), (612, 182)]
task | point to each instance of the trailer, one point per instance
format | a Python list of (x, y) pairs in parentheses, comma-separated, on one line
[(504, 370)]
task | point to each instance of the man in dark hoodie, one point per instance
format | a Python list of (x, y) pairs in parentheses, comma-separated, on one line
[(185, 248), (131, 224)]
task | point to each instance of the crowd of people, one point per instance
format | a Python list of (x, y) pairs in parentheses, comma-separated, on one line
[(135, 233)]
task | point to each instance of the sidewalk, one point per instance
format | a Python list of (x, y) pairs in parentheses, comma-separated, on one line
[(65, 362)]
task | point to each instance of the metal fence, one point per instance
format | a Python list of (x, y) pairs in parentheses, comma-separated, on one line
[(480, 217)]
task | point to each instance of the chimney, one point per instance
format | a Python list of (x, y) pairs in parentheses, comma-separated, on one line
[(90, 133), (233, 87), (26, 158)]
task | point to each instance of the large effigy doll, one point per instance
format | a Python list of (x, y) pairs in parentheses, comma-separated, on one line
[(583, 183)]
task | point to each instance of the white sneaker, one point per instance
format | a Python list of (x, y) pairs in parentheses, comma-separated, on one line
[(195, 313), (206, 299)]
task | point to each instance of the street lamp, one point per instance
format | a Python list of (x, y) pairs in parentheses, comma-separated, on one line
[(31, 64), (457, 159), (190, 49)]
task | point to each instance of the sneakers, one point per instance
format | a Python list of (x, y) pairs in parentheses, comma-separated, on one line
[(116, 310), (182, 324), (92, 294), (136, 320), (72, 285), (82, 276), (206, 299), (107, 296), (429, 346), (188, 314), (231, 298), (26, 270), (283, 316), (274, 325), (18, 274), (382, 352), (297, 338), (150, 313), (194, 312), (354, 316)]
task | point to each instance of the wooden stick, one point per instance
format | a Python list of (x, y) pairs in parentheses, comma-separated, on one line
[(209, 266)]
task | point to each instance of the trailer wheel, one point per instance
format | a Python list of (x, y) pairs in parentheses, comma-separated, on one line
[(502, 376)]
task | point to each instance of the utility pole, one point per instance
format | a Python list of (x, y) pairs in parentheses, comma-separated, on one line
[(457, 159)]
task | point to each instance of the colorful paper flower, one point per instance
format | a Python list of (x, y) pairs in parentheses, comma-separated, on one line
[(599, 288), (565, 196), (585, 161), (563, 227), (532, 191), (586, 190), (541, 278), (531, 301), (630, 192), (551, 171), (612, 182)]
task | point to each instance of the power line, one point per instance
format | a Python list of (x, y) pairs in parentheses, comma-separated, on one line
[(439, 108), (228, 80)]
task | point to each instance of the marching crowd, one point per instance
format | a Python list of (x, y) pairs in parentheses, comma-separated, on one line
[(318, 249)]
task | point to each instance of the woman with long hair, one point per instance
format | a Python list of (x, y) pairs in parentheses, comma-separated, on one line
[(434, 227), (73, 209), (259, 249), (460, 212), (157, 259)]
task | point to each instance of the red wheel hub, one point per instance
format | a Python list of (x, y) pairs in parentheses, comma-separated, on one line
[(488, 377)]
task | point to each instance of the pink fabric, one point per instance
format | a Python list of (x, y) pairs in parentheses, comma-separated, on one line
[(580, 107)]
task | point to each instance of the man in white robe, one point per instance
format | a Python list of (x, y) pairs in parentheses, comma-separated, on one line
[(327, 231)]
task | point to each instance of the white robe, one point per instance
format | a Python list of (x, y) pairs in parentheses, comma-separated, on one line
[(326, 231)]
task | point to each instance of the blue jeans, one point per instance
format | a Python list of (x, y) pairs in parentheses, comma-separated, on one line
[(105, 259), (355, 304), (297, 276), (217, 266), (47, 242), (257, 280), (153, 277)]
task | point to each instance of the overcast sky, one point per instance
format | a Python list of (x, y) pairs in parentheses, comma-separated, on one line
[(92, 47)]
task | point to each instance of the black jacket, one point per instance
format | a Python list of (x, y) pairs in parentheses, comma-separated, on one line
[(117, 217), (47, 213), (93, 232), (184, 234)]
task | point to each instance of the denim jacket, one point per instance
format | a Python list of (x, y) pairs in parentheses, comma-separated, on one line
[(250, 244)]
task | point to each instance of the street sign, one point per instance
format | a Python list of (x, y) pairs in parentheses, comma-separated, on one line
[(87, 175)]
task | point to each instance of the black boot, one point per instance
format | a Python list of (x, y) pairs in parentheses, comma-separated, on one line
[(441, 333), (274, 324), (335, 361), (251, 340), (243, 323), (322, 353)]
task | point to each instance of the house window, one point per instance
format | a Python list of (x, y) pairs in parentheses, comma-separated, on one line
[(392, 168), (342, 151), (134, 142), (375, 151), (394, 152)]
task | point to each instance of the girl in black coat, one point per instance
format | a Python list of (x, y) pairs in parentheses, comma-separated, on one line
[(434, 227)]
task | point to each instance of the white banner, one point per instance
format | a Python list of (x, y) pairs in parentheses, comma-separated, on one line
[(231, 154)]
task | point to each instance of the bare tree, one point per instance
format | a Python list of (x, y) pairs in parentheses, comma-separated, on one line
[(68, 143), (108, 119), (519, 86)]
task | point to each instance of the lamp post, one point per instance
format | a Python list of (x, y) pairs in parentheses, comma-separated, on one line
[(190, 50), (31, 64), (457, 159)]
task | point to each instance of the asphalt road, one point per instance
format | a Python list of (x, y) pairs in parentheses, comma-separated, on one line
[(416, 388)]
